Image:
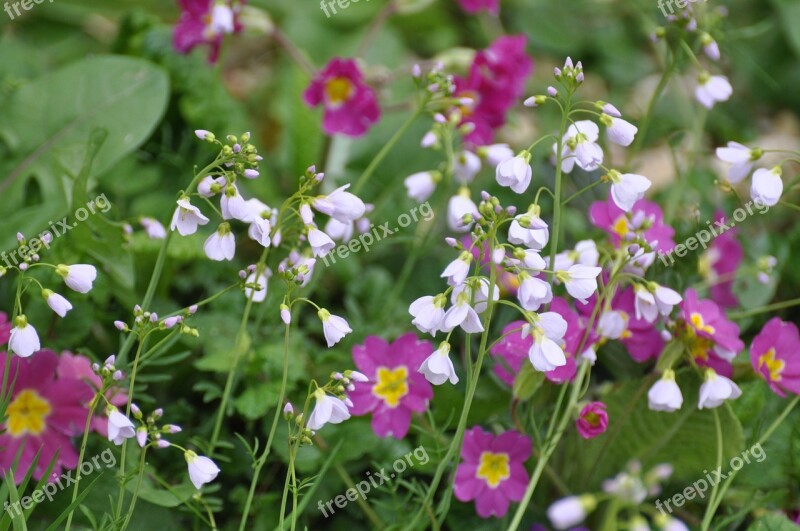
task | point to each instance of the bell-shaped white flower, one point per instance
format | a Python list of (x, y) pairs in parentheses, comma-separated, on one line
[(645, 304), (580, 281), (466, 167), (666, 299), (619, 131), (186, 218), (741, 159), (461, 209), (438, 367), (462, 314), (515, 173), (260, 230), (258, 293), (533, 292), (529, 230), (209, 186), (627, 188), (233, 205), (581, 147), (202, 470), (333, 327), (78, 277), (24, 340), (155, 230), (766, 187), (477, 291), (221, 245), (339, 231), (321, 243), (327, 410), (457, 270), (496, 153), (711, 89), (341, 205), (571, 511), (221, 21), (716, 389), (120, 427), (548, 331), (57, 303), (612, 324), (665, 395), (428, 313), (421, 185)]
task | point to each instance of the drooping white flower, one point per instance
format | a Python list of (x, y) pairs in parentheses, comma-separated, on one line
[(327, 410), (24, 340), (665, 395), (466, 166), (209, 186), (186, 218), (766, 187), (78, 277), (120, 427), (57, 303), (710, 47), (533, 292), (496, 153), (457, 270), (438, 367), (321, 243), (580, 281), (571, 511), (262, 281), (221, 21), (619, 131), (741, 158), (716, 389), (202, 470), (421, 185), (221, 245), (260, 230), (529, 230), (666, 299), (548, 331), (233, 205), (612, 324), (459, 206), (669, 523), (515, 173), (627, 188), (154, 229), (645, 303), (477, 290), (711, 89), (462, 314), (585, 253), (580, 147), (333, 327), (340, 205), (339, 231), (428, 313)]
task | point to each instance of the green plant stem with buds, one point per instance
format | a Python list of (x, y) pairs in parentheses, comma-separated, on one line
[(82, 453)]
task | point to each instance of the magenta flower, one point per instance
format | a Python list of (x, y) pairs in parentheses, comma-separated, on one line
[(712, 339), (205, 22), (351, 106), (496, 81), (645, 218), (473, 6), (44, 412), (5, 329), (775, 355), (592, 420), (721, 260), (492, 471), (395, 389)]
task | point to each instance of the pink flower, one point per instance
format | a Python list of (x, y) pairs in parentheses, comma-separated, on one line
[(492, 471), (44, 413), (775, 355), (395, 389), (496, 81), (645, 218), (592, 420), (722, 259), (712, 339), (473, 6), (350, 104), (5, 329), (205, 22)]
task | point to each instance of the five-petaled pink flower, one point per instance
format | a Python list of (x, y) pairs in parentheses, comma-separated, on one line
[(645, 219), (473, 6), (712, 339), (492, 471), (775, 355), (206, 22), (720, 262), (395, 389), (351, 106), (592, 420)]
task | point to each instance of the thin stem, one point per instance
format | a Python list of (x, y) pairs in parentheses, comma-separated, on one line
[(85, 439), (136, 490), (764, 309), (375, 26), (557, 195), (709, 514), (581, 192)]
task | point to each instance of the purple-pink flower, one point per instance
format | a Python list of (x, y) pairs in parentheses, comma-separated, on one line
[(645, 218), (775, 355), (721, 261), (592, 420), (713, 340), (492, 471), (395, 389), (351, 106), (5, 329), (473, 6), (206, 22)]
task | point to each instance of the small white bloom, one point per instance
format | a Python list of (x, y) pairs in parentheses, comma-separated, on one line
[(533, 292), (496, 153), (222, 20), (459, 206), (260, 230), (260, 293), (666, 299), (627, 188), (428, 313), (665, 395), (186, 218), (457, 270), (438, 367), (477, 290), (341, 205), (766, 187), (421, 185), (741, 158), (57, 303), (321, 243), (209, 186), (711, 89), (154, 229), (333, 327), (710, 47), (619, 131), (339, 231), (580, 281), (548, 331), (529, 230), (78, 277), (202, 470), (571, 511), (515, 173), (221, 245), (120, 427), (580, 147), (645, 304), (24, 340), (429, 140), (716, 389), (233, 205), (327, 410), (466, 167), (612, 324), (462, 314)]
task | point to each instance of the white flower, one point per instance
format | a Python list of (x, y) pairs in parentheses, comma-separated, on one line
[(78, 277), (645, 304), (580, 147), (457, 270), (570, 511), (548, 331), (529, 230), (260, 293), (612, 324), (461, 205), (716, 389), (580, 281), (711, 89), (496, 153), (533, 292), (321, 243), (202, 470), (477, 289), (627, 188), (585, 253), (466, 167), (666, 298), (438, 367), (619, 131), (672, 524), (339, 231), (120, 427), (515, 173), (186, 218), (531, 260), (233, 205), (154, 229), (260, 230), (257, 209), (665, 395), (221, 20), (766, 187), (328, 409), (341, 205), (221, 245), (333, 326), (462, 314), (24, 340), (741, 157), (209, 186), (710, 47), (428, 313), (421, 185), (57, 303)]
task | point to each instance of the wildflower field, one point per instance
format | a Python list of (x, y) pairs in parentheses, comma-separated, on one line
[(400, 265)]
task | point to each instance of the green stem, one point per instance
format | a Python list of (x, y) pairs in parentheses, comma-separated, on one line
[(557, 195), (123, 479), (286, 485), (82, 453), (764, 309), (709, 514), (136, 490), (581, 192)]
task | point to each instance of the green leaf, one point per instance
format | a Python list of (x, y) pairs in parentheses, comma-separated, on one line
[(526, 383), (773, 522)]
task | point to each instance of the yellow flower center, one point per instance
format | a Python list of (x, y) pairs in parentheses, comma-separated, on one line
[(26, 414), (700, 325), (620, 227), (775, 366), (392, 385), (698, 346), (493, 468), (339, 90), (625, 333), (592, 418)]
